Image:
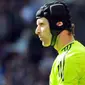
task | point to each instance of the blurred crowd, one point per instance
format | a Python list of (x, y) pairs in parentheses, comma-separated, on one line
[(23, 59)]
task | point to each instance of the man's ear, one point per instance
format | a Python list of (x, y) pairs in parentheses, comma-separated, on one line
[(59, 23)]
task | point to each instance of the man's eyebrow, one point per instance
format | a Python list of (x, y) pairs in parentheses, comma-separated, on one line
[(40, 23)]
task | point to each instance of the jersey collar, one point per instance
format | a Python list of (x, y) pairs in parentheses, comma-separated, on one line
[(66, 47)]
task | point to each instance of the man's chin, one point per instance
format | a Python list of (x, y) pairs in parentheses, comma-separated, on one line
[(45, 45)]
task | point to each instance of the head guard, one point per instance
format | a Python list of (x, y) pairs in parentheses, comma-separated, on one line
[(55, 12)]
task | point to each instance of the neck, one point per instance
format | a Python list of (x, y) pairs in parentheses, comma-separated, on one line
[(63, 39)]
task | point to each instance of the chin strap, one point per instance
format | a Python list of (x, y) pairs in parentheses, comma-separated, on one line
[(54, 37), (53, 40)]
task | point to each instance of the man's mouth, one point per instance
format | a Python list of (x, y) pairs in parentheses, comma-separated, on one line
[(40, 37)]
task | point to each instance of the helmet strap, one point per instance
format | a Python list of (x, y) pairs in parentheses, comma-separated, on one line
[(54, 37), (53, 40)]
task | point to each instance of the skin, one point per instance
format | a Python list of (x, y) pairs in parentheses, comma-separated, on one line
[(63, 39), (44, 33)]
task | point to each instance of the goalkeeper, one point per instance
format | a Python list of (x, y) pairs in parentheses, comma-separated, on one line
[(54, 28)]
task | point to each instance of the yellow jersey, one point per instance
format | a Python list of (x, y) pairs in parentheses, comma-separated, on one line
[(69, 66)]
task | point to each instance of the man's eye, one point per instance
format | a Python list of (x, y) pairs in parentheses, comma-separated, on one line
[(41, 24)]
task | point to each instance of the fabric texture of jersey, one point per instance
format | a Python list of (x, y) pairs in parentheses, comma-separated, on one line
[(69, 66)]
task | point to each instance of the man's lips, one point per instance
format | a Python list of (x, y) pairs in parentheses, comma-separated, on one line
[(40, 37)]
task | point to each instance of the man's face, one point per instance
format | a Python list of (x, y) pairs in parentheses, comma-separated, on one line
[(43, 31)]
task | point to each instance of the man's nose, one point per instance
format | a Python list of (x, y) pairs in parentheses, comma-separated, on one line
[(37, 31)]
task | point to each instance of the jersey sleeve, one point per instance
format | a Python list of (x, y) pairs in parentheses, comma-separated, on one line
[(74, 72)]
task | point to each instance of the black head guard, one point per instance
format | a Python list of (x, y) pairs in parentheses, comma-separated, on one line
[(55, 12)]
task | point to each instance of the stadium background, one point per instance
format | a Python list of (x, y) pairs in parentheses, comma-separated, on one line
[(23, 60)]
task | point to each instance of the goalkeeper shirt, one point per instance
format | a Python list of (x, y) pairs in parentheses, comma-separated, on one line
[(69, 66)]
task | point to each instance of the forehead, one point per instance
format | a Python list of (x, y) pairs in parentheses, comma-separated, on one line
[(41, 20)]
